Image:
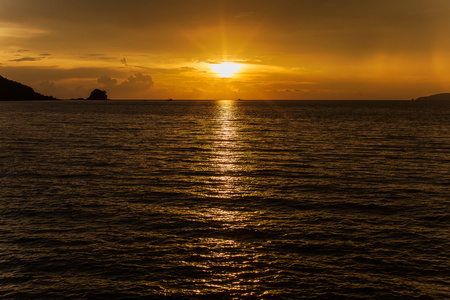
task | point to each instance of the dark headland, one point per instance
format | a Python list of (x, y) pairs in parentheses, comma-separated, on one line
[(444, 97), (11, 90)]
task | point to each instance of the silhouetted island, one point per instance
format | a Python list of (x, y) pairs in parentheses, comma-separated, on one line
[(437, 97), (98, 95), (11, 90)]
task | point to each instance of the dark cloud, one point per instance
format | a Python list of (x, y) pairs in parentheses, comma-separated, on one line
[(27, 58), (107, 81), (18, 51), (107, 58), (138, 81), (53, 73), (57, 90), (134, 86)]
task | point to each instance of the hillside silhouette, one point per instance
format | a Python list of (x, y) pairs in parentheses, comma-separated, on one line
[(437, 97), (12, 90)]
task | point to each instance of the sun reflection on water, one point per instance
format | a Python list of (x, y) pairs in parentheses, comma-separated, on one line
[(224, 157), (228, 217), (221, 253)]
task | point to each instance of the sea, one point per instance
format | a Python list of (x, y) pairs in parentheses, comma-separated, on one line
[(224, 200)]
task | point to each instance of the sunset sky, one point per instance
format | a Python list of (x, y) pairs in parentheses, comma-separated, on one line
[(283, 49)]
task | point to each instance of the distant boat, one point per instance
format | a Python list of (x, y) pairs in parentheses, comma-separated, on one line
[(169, 99), (239, 99)]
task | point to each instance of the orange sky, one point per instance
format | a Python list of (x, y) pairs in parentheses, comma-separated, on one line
[(287, 49)]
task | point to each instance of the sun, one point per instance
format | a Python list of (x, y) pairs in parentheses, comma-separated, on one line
[(226, 69)]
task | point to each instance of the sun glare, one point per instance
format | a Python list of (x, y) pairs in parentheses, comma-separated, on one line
[(226, 69)]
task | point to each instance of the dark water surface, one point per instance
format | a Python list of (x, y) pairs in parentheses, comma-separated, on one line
[(224, 199)]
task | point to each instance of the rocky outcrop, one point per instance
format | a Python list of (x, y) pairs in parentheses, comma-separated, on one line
[(11, 90), (437, 97), (98, 95)]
